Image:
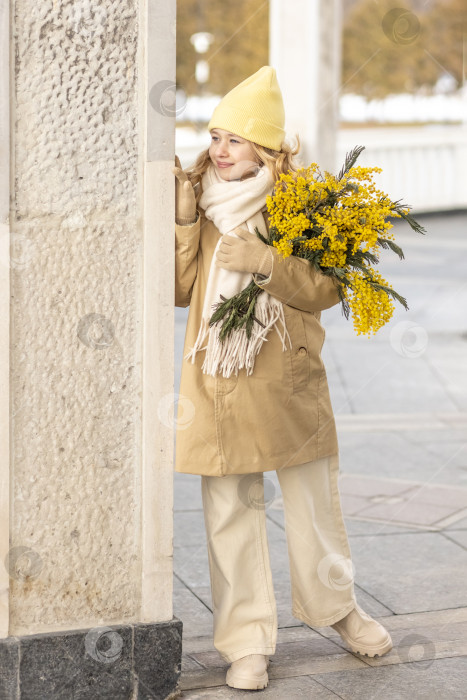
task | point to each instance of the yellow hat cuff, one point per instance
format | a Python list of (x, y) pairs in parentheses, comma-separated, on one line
[(247, 126)]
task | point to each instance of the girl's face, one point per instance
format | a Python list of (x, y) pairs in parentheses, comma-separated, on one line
[(233, 156)]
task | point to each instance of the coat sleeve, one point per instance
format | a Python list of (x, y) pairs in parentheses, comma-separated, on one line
[(295, 282), (186, 260)]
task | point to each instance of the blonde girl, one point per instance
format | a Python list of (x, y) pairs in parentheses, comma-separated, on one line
[(261, 403)]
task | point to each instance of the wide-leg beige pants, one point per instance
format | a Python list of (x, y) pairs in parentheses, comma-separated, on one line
[(322, 586)]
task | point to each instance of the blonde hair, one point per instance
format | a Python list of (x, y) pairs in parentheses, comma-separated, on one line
[(277, 162)]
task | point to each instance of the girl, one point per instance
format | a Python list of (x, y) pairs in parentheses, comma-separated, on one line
[(263, 403)]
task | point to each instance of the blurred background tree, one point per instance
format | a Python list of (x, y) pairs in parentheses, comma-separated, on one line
[(389, 46), (384, 48), (240, 47), (404, 48), (448, 39)]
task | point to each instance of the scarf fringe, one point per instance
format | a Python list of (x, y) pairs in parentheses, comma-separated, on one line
[(229, 205), (237, 351)]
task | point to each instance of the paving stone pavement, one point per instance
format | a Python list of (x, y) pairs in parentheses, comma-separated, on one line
[(400, 401)]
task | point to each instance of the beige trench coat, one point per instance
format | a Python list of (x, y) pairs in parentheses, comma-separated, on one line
[(280, 415)]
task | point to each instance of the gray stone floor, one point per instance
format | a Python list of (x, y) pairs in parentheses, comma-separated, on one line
[(400, 401)]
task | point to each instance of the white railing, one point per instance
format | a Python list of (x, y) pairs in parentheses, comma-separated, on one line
[(425, 166)]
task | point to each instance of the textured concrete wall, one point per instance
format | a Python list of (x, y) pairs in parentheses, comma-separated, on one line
[(4, 313), (76, 300), (158, 381)]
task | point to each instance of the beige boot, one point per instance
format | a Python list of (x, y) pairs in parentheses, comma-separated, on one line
[(249, 672), (363, 634)]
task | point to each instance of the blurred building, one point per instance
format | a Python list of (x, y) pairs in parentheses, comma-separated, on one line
[(418, 138)]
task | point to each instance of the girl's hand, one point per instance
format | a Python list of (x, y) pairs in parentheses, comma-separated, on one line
[(244, 254), (185, 200)]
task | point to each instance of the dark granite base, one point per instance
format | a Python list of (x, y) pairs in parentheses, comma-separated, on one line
[(119, 662)]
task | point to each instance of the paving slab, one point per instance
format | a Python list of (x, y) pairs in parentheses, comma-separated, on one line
[(437, 494), (411, 572), (189, 665), (368, 373), (278, 553), (191, 565), (442, 309), (451, 455), (458, 525), (189, 528), (451, 368), (395, 500), (373, 487), (409, 512), (204, 594), (339, 396), (410, 503), (405, 423), (357, 527), (187, 492), (451, 436), (196, 618), (459, 537), (370, 604), (282, 594), (392, 455), (442, 678), (292, 688)]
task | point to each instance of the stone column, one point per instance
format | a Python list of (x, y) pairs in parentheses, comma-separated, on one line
[(90, 219), (305, 49), (4, 315)]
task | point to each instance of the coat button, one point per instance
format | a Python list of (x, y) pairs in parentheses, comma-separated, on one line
[(302, 351)]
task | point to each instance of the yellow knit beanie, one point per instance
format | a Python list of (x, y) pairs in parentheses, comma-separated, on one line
[(254, 110)]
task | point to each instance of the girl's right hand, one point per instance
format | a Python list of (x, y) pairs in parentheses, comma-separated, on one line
[(185, 199)]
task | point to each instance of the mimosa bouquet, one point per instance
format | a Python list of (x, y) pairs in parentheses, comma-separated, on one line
[(339, 224)]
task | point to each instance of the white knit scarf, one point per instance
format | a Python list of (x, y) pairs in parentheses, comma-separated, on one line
[(230, 204)]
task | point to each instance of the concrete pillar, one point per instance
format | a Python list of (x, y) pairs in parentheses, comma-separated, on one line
[(4, 314), (305, 49), (87, 202)]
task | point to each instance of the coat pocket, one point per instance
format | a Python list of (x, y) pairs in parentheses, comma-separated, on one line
[(225, 385), (299, 352)]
